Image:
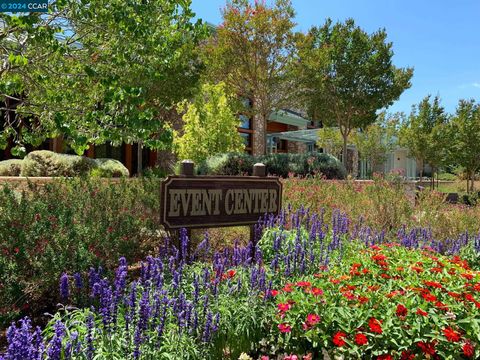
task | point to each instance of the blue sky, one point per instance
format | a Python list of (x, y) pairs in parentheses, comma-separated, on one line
[(440, 39)]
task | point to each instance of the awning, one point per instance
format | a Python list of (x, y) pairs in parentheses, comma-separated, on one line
[(288, 117), (307, 136)]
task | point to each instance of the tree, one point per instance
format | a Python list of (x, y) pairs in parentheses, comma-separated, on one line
[(424, 133), (347, 75), (331, 141), (376, 141), (210, 126), (251, 52), (99, 70), (465, 145)]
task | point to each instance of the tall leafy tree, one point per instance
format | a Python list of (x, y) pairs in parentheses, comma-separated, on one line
[(210, 125), (377, 140), (465, 134), (99, 70), (346, 75), (251, 52), (424, 133), (330, 140)]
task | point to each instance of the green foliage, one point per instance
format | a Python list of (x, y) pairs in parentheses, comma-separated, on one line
[(283, 165), (69, 225), (108, 168), (379, 293), (348, 75), (376, 141), (227, 164), (251, 52), (49, 163), (425, 133), (11, 167), (98, 70), (209, 125), (464, 145), (331, 141), (46, 163)]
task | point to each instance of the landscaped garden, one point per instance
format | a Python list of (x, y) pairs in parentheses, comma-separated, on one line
[(367, 246), (347, 269)]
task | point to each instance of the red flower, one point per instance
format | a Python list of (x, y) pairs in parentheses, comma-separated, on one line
[(338, 338), (468, 350), (375, 325), (429, 297), (231, 273), (312, 319), (422, 312), (284, 328), (283, 307), (385, 357), (407, 355), (433, 284), (402, 311), (427, 348), (316, 291), (288, 288), (451, 334), (274, 292), (303, 284), (361, 339)]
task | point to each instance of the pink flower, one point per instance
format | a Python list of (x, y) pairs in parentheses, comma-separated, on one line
[(284, 328)]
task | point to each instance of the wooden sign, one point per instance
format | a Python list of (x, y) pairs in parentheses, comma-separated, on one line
[(207, 201)]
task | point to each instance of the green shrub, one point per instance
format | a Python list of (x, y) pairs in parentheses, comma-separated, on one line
[(227, 164), (447, 177), (108, 168), (276, 164), (49, 163), (11, 167), (70, 225)]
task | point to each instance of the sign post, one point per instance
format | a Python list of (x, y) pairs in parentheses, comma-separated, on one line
[(189, 201)]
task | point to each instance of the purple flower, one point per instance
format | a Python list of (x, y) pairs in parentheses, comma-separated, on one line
[(77, 277), (22, 344), (64, 291), (90, 337), (54, 349)]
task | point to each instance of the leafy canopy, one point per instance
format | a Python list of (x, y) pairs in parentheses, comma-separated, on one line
[(346, 75), (465, 133), (424, 133), (251, 52), (99, 70), (377, 140), (210, 125)]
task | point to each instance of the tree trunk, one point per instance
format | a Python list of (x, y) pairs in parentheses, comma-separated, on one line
[(265, 119), (345, 148), (473, 182), (139, 158)]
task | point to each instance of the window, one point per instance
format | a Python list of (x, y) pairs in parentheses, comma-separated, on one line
[(245, 122), (247, 139)]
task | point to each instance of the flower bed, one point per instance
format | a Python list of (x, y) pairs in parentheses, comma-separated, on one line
[(309, 286)]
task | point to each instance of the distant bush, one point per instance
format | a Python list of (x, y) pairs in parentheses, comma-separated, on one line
[(227, 164), (108, 168), (447, 177), (49, 163), (276, 164), (11, 167)]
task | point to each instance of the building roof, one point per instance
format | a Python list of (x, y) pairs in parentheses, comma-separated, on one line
[(289, 117)]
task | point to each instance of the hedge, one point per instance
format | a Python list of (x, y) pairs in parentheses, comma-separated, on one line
[(277, 164), (48, 163)]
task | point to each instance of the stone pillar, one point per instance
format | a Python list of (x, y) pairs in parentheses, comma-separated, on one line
[(259, 140)]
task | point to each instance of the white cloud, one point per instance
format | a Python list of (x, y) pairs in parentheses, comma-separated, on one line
[(476, 84)]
